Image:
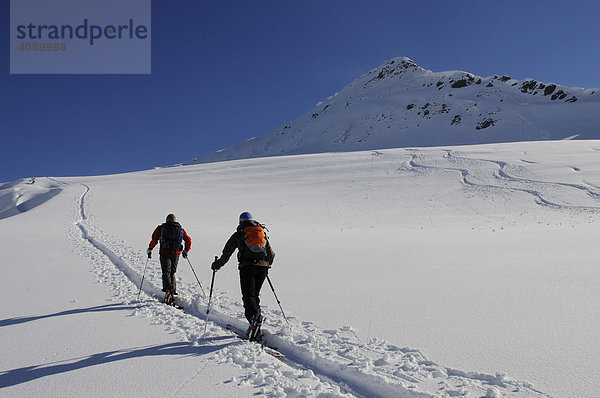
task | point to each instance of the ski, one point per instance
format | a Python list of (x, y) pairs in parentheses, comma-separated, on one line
[(260, 340), (179, 307)]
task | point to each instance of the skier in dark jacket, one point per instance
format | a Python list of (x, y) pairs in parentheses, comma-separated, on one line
[(254, 263), (171, 236)]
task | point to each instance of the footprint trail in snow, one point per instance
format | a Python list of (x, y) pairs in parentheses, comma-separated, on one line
[(326, 363)]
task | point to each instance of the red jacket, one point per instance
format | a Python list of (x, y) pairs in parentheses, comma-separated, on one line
[(156, 238)]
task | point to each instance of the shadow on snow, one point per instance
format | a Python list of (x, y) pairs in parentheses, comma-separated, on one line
[(100, 308), (29, 373)]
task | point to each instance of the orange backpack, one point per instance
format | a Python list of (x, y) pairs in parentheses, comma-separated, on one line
[(255, 237)]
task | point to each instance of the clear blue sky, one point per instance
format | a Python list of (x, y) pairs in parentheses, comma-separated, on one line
[(226, 71)]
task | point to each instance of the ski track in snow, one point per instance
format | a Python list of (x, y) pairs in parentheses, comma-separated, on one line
[(323, 363), (500, 178)]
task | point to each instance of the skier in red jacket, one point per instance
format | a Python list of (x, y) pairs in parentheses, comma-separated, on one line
[(171, 237)]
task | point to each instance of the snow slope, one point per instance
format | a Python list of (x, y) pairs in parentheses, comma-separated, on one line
[(417, 272), (21, 196), (400, 104)]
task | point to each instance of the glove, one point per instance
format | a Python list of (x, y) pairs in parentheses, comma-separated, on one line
[(215, 266), (184, 254), (149, 252)]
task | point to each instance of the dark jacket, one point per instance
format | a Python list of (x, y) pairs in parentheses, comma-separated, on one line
[(236, 241), (156, 238)]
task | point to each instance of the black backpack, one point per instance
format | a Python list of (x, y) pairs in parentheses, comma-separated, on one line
[(171, 237)]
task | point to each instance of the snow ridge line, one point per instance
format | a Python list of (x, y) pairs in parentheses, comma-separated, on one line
[(373, 369), (20, 197)]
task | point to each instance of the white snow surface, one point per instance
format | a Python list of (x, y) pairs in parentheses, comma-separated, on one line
[(418, 272), (401, 104)]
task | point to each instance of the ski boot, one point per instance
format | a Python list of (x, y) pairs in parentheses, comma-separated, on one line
[(253, 331), (169, 298)]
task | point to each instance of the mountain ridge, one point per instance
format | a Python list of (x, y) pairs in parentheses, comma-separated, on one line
[(400, 104)]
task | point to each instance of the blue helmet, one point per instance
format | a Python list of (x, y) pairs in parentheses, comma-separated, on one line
[(245, 216)]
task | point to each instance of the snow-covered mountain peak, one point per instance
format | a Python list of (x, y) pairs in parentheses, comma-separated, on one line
[(401, 104), (396, 67)]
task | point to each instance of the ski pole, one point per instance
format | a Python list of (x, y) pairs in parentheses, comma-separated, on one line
[(276, 298), (212, 283), (143, 276), (200, 284)]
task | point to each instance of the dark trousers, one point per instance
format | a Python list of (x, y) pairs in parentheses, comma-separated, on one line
[(168, 263), (251, 281)]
